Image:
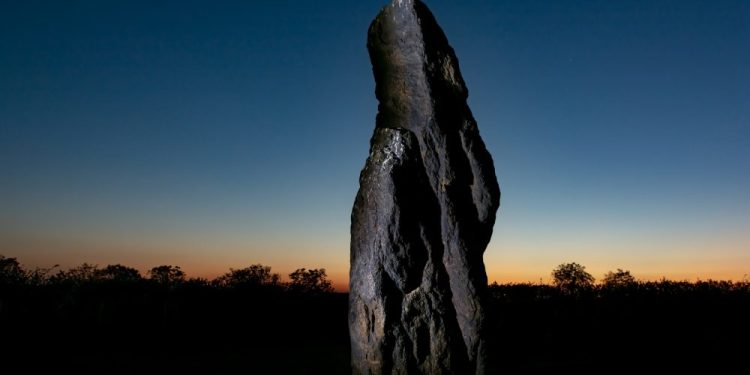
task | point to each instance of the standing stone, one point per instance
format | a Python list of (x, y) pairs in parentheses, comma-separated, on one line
[(424, 212)]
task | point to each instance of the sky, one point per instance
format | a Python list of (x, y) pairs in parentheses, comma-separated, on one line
[(215, 135)]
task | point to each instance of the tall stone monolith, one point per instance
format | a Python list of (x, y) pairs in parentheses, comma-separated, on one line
[(424, 211)]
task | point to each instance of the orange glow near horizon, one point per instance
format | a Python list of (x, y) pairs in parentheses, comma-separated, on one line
[(510, 258), (501, 269)]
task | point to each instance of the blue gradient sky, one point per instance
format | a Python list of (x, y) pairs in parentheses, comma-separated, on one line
[(215, 135)]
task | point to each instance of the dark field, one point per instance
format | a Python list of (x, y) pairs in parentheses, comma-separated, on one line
[(141, 326)]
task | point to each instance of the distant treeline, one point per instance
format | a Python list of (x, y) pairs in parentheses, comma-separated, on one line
[(571, 280), (12, 273), (113, 320), (567, 278)]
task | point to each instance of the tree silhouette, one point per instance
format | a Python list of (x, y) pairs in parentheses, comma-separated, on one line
[(572, 277), (167, 275), (11, 272), (310, 281), (118, 273), (85, 273), (252, 276), (620, 278)]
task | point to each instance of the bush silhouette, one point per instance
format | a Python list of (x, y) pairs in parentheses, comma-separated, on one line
[(167, 275), (620, 278), (310, 281), (118, 273), (253, 276), (11, 272), (83, 274)]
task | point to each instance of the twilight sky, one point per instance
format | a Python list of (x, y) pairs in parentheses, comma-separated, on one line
[(213, 135)]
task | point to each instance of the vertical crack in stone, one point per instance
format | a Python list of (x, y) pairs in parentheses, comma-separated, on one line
[(424, 212)]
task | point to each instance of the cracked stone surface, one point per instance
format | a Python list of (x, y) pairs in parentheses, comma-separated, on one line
[(424, 212)]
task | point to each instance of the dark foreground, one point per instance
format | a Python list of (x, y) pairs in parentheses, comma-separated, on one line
[(110, 327)]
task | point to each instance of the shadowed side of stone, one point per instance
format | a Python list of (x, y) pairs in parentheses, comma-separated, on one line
[(425, 209), (402, 320)]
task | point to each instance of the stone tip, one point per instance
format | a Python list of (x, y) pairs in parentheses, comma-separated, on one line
[(400, 3)]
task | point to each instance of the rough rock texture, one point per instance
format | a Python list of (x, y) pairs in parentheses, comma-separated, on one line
[(424, 212)]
